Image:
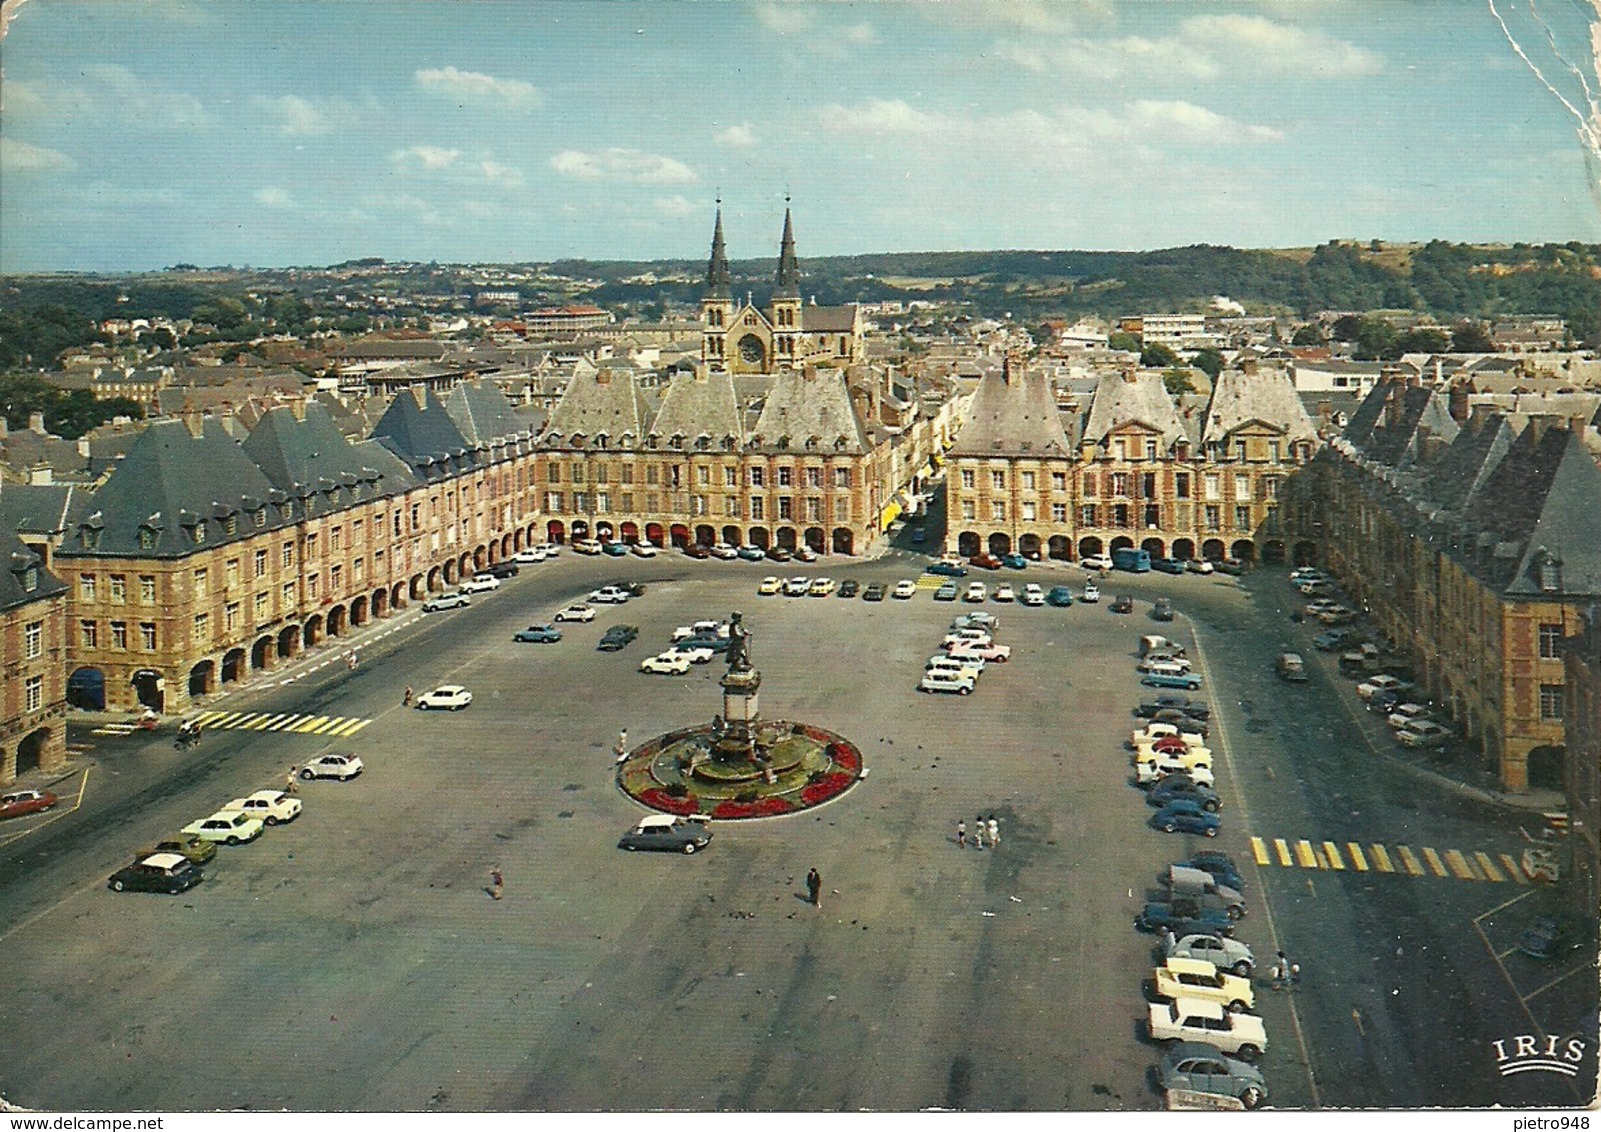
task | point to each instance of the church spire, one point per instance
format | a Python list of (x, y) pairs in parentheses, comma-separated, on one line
[(717, 277), (788, 279)]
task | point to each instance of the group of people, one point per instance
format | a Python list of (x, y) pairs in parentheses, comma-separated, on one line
[(982, 827), (188, 734)]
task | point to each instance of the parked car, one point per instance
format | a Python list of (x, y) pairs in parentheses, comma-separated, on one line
[(1334, 640), (1291, 668), (551, 549), (947, 592), (805, 554), (1197, 709), (1197, 1067), (229, 828), (965, 637), (197, 850), (1166, 680), (332, 765), (710, 642), (1195, 1020), (704, 628), (671, 663), (1220, 866), (1150, 771), (1096, 562), (1217, 948), (724, 552), (1060, 596), (985, 561), (977, 619), (778, 554), (904, 590), (1235, 566), (1162, 610), (1181, 785), (614, 549), (579, 612), (1182, 815), (1033, 595), (670, 833), (586, 546), (976, 592), (608, 595), (797, 587), (1421, 734), (453, 600), (1199, 566), (642, 550), (1167, 565), (873, 592), (1092, 593), (530, 556), (20, 803), (1383, 682), (480, 583), (617, 637), (537, 635), (159, 872), (697, 551), (1123, 603), (850, 587), (505, 569), (1404, 713), (450, 697), (1004, 592), (769, 586), (1196, 978), (1163, 662), (821, 587), (990, 652), (961, 666), (1182, 917), (939, 680), (273, 807), (947, 569), (693, 652), (1014, 561), (1188, 883)]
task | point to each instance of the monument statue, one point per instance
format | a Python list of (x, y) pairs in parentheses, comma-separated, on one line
[(738, 645)]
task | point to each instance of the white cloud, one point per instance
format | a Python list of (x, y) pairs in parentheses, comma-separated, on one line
[(497, 174), (629, 165), (273, 197), (859, 35), (132, 96), (785, 18), (480, 89), (301, 117), (427, 156), (738, 136), (1186, 122), (1277, 47), (20, 157), (675, 206), (881, 116)]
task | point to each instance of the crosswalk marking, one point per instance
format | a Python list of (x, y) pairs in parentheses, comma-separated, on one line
[(1410, 861), (1381, 860), (1283, 851), (1259, 849), (1304, 854), (1332, 855), (339, 726), (1434, 861), (1490, 871), (312, 723), (1459, 866), (1513, 869), (1358, 861)]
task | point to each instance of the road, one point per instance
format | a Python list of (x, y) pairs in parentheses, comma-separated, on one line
[(361, 935)]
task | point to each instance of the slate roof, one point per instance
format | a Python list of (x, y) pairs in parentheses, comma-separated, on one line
[(170, 484), (701, 404), (39, 509), (599, 402), (1013, 413), (1139, 397), (1455, 478), (308, 458), (417, 428), (828, 320), (810, 403), (482, 412), (1420, 410), (1267, 396), (17, 561)]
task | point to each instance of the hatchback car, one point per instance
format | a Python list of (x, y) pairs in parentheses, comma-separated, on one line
[(1014, 561), (159, 872), (1195, 1020), (332, 765), (904, 590), (617, 637), (197, 850), (671, 663), (769, 586), (1096, 562), (821, 587), (667, 833), (1182, 815), (1060, 596), (450, 697), (805, 554), (943, 680), (19, 803), (537, 635), (976, 592), (642, 550), (947, 591), (1033, 594), (480, 583), (579, 612), (445, 601), (230, 828), (1217, 948), (873, 592), (1092, 593), (1004, 592), (1196, 1067)]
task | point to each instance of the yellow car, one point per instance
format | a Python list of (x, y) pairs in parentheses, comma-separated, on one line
[(1196, 978), (769, 586)]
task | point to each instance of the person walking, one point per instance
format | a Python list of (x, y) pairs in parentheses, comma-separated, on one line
[(622, 744), (978, 832), (814, 888), (497, 883), (995, 833), (292, 780), (961, 833), (405, 700)]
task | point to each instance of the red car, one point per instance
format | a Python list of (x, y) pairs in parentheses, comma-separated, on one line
[(1169, 745), (697, 550), (987, 561), (21, 802)]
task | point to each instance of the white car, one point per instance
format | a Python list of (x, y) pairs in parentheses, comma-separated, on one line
[(1033, 594), (724, 551), (1307, 574), (821, 587), (1197, 978), (667, 663), (1383, 682), (586, 546), (608, 595), (578, 612), (904, 590), (551, 549), (1196, 1020), (270, 806), (332, 766), (1188, 762), (1003, 592), (978, 619), (1159, 662), (1096, 562), (480, 583), (1092, 593), (797, 587), (939, 680), (701, 629), (963, 666), (530, 556), (446, 601), (805, 554), (976, 591), (1151, 771), (230, 827), (1423, 733), (986, 651), (452, 697), (1403, 714), (1200, 566), (642, 550)]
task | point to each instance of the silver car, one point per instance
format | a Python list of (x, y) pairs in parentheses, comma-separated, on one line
[(1222, 952), (1195, 1067)]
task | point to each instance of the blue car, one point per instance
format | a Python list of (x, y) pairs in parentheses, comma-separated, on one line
[(1221, 867), (948, 569), (1165, 680), (752, 553), (1060, 595), (1184, 816), (615, 549), (1182, 918), (1167, 565), (1014, 562), (946, 592), (538, 635)]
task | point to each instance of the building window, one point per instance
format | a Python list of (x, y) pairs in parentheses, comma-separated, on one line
[(288, 597), (358, 569), (998, 480), (1028, 481), (1058, 512), (967, 478), (1087, 515), (1153, 516), (1090, 486), (628, 473), (33, 689), (1148, 485), (783, 477), (730, 476), (842, 477), (89, 633), (1214, 517), (119, 634), (814, 477), (1150, 449), (705, 476), (230, 616), (968, 512), (33, 640), (652, 474), (147, 635), (1270, 487), (1550, 642), (730, 507), (1551, 702), (1119, 483), (1239, 450), (602, 502), (786, 507), (1028, 511), (814, 509), (119, 588), (416, 515), (756, 477), (261, 563), (1120, 514), (697, 505), (30, 579), (601, 474), (202, 631), (232, 572), (757, 507), (261, 608), (1273, 451), (1213, 487), (86, 587), (1181, 485), (1242, 517), (201, 581), (998, 510), (1058, 481), (553, 502), (842, 510), (336, 575)]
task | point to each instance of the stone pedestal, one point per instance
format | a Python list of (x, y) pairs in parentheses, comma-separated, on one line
[(741, 713)]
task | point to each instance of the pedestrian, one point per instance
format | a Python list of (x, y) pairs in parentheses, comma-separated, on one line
[(497, 883), (292, 780), (961, 833), (995, 833), (814, 888), (978, 832), (622, 744), (405, 700), (1281, 971)]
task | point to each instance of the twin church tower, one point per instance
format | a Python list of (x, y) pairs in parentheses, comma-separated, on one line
[(743, 338)]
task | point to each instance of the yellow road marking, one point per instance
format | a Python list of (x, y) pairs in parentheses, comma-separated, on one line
[(289, 722), (1490, 871), (1514, 869), (1304, 855), (1333, 855), (1381, 860), (1283, 852), (359, 725), (1358, 862), (311, 723), (206, 717), (227, 720), (1259, 850), (342, 725), (259, 723), (1409, 860), (333, 723), (1434, 861), (1459, 865)]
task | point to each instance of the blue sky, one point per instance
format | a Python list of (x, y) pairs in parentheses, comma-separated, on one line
[(141, 133)]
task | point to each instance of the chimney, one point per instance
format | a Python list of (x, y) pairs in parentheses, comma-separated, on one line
[(1457, 400), (1248, 366), (42, 476), (194, 421), (36, 422)]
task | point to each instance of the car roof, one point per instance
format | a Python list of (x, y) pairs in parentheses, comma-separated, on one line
[(164, 860), (657, 821), (450, 688), (1190, 1007), (1191, 966)]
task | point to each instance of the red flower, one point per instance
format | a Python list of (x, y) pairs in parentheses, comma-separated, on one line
[(846, 757), (659, 799)]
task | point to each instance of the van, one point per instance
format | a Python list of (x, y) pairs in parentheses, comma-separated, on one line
[(1291, 668), (1183, 881), (1153, 642)]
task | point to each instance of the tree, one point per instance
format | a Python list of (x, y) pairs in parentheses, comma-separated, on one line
[(1426, 340), (1177, 380), (1308, 335), (1158, 356), (1208, 361), (1123, 340), (1471, 338)]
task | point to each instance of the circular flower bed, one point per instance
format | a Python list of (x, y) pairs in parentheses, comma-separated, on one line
[(676, 773)]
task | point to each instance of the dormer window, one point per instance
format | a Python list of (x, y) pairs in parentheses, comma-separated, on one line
[(601, 440), (728, 444), (260, 516), (30, 579), (811, 444), (702, 443), (1550, 568), (89, 537), (230, 525), (783, 442)]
